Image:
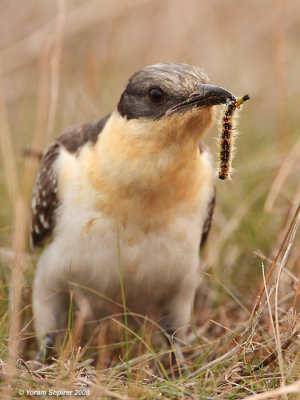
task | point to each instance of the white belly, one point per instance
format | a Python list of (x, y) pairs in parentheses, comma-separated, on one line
[(152, 263), (156, 259)]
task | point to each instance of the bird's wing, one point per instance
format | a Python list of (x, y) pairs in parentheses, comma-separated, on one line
[(45, 198), (207, 224)]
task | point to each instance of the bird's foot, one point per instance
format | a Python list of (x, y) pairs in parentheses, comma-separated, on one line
[(47, 349)]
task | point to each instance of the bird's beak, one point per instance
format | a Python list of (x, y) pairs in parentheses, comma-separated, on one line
[(205, 96)]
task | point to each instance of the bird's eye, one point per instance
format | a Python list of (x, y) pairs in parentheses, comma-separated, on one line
[(156, 95)]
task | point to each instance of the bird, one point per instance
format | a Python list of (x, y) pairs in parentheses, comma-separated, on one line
[(134, 190)]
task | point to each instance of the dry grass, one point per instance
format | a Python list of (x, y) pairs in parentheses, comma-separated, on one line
[(63, 63)]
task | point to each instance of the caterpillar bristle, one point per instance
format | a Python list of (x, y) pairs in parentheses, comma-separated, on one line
[(226, 144)]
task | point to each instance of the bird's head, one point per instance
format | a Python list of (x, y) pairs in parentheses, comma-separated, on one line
[(176, 99), (152, 138), (154, 134)]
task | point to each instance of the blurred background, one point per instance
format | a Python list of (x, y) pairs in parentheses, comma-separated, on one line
[(66, 62)]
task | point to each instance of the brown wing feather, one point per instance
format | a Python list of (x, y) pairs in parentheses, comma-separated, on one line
[(211, 206), (45, 198), (207, 223)]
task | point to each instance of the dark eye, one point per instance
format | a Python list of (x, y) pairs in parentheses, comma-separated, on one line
[(156, 95)]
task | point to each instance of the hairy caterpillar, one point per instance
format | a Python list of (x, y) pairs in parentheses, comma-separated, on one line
[(225, 140)]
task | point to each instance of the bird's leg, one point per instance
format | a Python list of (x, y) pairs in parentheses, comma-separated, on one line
[(177, 319), (177, 358), (51, 309), (47, 348), (50, 313)]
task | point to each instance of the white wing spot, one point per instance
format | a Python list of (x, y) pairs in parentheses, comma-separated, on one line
[(43, 221)]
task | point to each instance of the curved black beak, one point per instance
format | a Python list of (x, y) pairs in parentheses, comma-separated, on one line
[(205, 96), (211, 95)]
